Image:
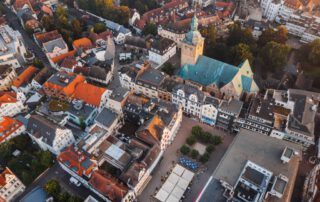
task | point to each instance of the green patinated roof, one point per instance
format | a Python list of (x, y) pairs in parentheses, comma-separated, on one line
[(209, 71), (246, 83)]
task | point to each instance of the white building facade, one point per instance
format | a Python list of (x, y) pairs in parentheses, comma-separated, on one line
[(12, 48)]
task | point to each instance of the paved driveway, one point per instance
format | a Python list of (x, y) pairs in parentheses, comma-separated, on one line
[(171, 155)]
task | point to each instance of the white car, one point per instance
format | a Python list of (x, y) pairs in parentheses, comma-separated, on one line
[(75, 181)]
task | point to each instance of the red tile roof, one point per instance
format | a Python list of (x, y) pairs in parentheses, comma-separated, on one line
[(43, 37), (108, 186), (140, 23), (103, 35), (8, 126), (59, 58), (7, 97), (77, 161), (175, 4), (69, 62), (89, 93), (26, 75)]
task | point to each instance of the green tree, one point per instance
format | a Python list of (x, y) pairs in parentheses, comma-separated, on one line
[(38, 63), (99, 27), (314, 53), (168, 68), (204, 158), (5, 150), (280, 36), (191, 140), (76, 27), (46, 158), (26, 177), (194, 154), (48, 23), (52, 188), (240, 53), (185, 149), (196, 131), (21, 142), (274, 55), (150, 28), (238, 35), (216, 140), (74, 199), (210, 148), (63, 196)]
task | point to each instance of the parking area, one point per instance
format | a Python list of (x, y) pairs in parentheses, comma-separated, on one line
[(171, 156)]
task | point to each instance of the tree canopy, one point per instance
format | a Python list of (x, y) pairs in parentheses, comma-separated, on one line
[(280, 35), (141, 5), (106, 9), (52, 188), (150, 28), (99, 27), (238, 35), (314, 52), (240, 53), (274, 55)]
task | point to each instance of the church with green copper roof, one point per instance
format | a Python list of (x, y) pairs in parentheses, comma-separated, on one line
[(229, 80)]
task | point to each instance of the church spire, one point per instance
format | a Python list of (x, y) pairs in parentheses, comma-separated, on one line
[(194, 21)]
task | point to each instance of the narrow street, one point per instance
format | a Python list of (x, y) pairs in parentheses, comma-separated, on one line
[(30, 44)]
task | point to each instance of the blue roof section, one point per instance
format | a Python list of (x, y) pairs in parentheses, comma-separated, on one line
[(246, 83), (36, 195), (209, 71)]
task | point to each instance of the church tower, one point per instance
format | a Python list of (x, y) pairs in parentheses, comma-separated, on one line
[(192, 45)]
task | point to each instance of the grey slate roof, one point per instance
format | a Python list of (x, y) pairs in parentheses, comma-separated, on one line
[(233, 106), (106, 117), (151, 76), (50, 45), (38, 126)]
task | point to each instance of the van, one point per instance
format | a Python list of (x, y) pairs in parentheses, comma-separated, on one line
[(75, 181)]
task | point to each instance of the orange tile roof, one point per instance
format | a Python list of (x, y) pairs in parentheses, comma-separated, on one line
[(77, 161), (8, 98), (8, 126), (25, 76), (84, 43), (63, 56), (108, 186), (69, 89), (89, 93), (43, 37)]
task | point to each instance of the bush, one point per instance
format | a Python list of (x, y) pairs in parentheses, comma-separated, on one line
[(196, 131), (191, 140), (52, 188), (216, 140), (194, 154), (204, 158), (185, 149), (210, 148)]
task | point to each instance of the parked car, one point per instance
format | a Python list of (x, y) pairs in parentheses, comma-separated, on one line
[(75, 181)]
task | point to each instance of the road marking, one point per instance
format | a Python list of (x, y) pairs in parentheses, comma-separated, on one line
[(203, 189)]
